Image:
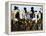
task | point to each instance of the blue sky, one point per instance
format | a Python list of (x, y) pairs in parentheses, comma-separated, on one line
[(28, 7)]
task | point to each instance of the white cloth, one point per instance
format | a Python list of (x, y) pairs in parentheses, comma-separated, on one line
[(22, 14), (14, 13), (37, 13)]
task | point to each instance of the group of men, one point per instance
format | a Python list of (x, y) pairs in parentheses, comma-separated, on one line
[(24, 14), (33, 15)]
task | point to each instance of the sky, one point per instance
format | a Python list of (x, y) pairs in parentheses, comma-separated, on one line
[(20, 7)]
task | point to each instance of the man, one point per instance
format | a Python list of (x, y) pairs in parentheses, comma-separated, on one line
[(25, 10), (14, 19), (32, 13), (23, 13), (15, 13)]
